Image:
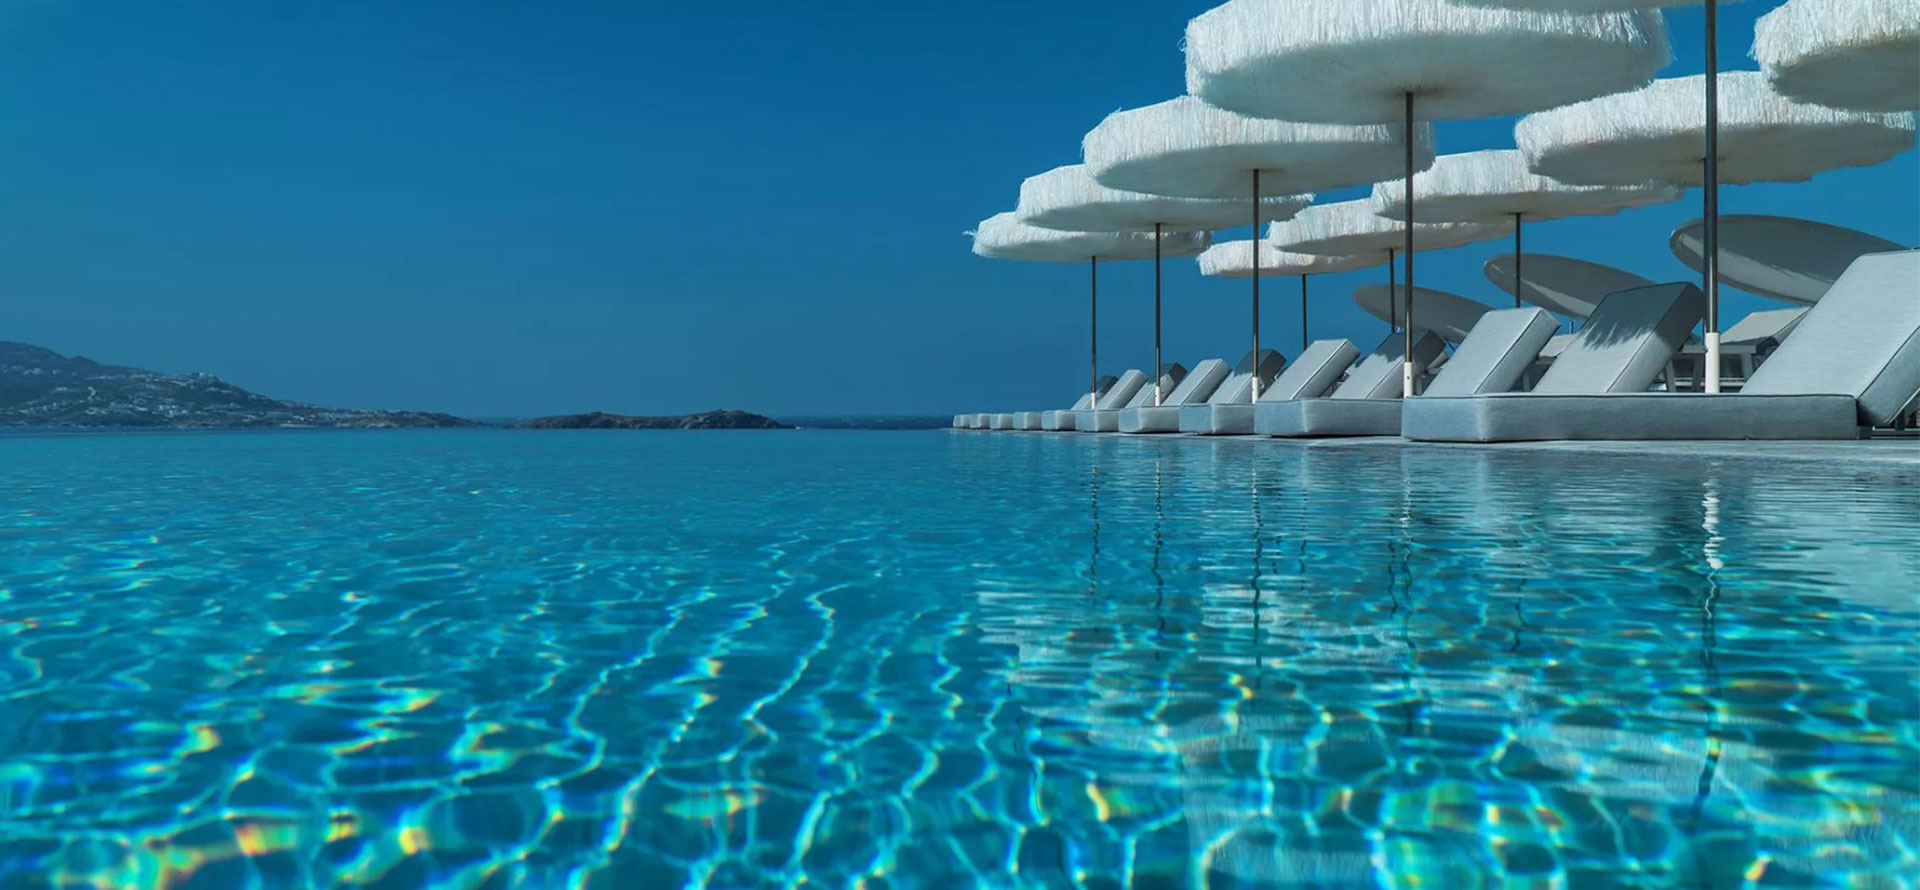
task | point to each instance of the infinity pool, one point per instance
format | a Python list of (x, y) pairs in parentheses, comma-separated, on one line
[(947, 660)]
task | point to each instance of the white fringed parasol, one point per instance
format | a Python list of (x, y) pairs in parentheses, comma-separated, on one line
[(1186, 148), (1858, 54), (1238, 259), (1005, 237), (1068, 198), (1373, 61), (1656, 133), (1496, 186), (1351, 228)]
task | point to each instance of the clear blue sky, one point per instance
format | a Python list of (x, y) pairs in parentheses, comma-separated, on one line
[(508, 208)]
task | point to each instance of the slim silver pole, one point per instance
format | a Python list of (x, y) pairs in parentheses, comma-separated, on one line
[(1711, 248), (1256, 284), (1157, 394), (1406, 366)]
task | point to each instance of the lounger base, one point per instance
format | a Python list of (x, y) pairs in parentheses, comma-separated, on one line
[(1217, 420), (1058, 421), (1328, 418), (1517, 417), (1096, 421), (1152, 420), (1028, 421)]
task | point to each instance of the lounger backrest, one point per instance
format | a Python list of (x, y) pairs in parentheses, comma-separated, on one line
[(1862, 339), (1121, 392), (1238, 388), (1313, 373), (1760, 329), (1199, 385), (1170, 377), (1087, 398), (1627, 341), (1496, 352), (1378, 375)]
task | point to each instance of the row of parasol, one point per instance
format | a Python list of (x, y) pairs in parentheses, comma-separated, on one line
[(1287, 98)]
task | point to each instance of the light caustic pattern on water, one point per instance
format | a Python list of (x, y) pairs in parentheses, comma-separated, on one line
[(932, 660)]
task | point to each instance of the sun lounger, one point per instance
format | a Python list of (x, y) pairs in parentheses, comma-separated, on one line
[(1362, 405), (1597, 389), (1229, 411), (1040, 420), (1853, 361), (1165, 417), (1132, 390)]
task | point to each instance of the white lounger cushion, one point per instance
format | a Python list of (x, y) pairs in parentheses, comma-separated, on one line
[(1627, 341), (1760, 329), (1378, 375), (1496, 352), (1862, 339), (1313, 373), (1199, 384), (1121, 392)]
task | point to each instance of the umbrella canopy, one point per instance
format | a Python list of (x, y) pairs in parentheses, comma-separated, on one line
[(1496, 186), (1351, 227), (1580, 6), (1355, 61), (1449, 315), (1858, 54), (1005, 237), (1488, 186), (1796, 260), (1562, 284), (1372, 61), (1657, 132), (1234, 259), (1189, 149), (1068, 198)]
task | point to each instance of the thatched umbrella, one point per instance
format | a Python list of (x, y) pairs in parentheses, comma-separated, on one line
[(1239, 259), (1374, 61), (1862, 55), (1496, 186), (1069, 199), (1187, 148), (1757, 135), (1005, 237)]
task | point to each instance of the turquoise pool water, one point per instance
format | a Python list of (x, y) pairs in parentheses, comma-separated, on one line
[(947, 660)]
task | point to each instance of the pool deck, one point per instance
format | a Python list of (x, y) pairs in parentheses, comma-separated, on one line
[(1886, 452)]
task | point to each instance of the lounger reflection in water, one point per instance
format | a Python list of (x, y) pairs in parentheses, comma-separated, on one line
[(1853, 361), (1362, 405), (1133, 390), (1229, 411)]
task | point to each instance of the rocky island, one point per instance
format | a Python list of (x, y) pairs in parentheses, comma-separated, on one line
[(711, 420), (44, 389)]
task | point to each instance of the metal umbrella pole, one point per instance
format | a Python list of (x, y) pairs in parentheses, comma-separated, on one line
[(1393, 292), (1256, 283), (1093, 325), (1406, 365), (1711, 245), (1519, 281), (1303, 306), (1157, 394)]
